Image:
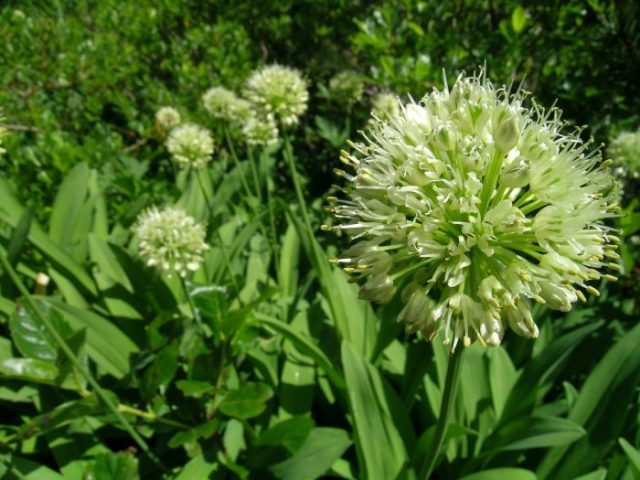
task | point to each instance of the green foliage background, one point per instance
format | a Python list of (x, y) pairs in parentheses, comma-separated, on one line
[(287, 375)]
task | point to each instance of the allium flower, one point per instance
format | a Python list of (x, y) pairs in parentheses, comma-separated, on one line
[(347, 86), (168, 117), (385, 106), (279, 90), (170, 240), (624, 150), (190, 145), (473, 206), (260, 130), (226, 105)]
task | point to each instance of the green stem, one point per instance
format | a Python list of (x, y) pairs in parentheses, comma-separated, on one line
[(450, 383), (192, 306), (76, 363), (223, 249), (254, 172), (236, 161), (151, 417), (296, 182)]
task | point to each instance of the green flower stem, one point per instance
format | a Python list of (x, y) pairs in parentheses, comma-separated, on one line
[(254, 172), (77, 364), (152, 417), (192, 306), (223, 249), (288, 154), (450, 383), (236, 161)]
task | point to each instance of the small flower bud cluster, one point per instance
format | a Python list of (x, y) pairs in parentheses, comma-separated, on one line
[(472, 206), (385, 106), (260, 130), (225, 105), (624, 151), (168, 117), (170, 240), (190, 145), (280, 91), (347, 86)]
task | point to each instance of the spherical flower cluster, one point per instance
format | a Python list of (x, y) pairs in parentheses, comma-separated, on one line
[(472, 206), (225, 105), (260, 130), (170, 240), (347, 86), (624, 150), (190, 145), (168, 117), (280, 91), (385, 106)]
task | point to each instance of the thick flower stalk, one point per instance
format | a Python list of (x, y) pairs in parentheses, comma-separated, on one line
[(168, 117), (260, 130), (170, 240), (473, 206), (278, 90), (190, 145), (624, 151), (224, 104)]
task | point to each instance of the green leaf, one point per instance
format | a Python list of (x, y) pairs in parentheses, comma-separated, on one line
[(194, 388), (106, 344), (610, 387), (381, 452), (20, 236), (31, 337), (518, 19), (115, 466), (320, 450), (633, 455), (600, 474), (29, 369), (26, 469), (502, 474), (305, 346), (534, 432), (247, 401), (291, 433), (198, 467)]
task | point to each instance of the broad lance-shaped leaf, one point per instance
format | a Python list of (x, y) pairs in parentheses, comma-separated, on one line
[(381, 451), (502, 474), (610, 387), (31, 337), (320, 450), (29, 369)]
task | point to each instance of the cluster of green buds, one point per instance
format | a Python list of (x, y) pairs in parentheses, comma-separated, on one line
[(223, 104), (471, 206), (385, 106), (170, 240)]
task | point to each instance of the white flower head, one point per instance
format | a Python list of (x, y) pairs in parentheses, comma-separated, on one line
[(260, 130), (170, 240), (385, 106), (474, 206), (168, 117), (347, 86), (278, 90), (190, 145), (624, 151), (225, 105)]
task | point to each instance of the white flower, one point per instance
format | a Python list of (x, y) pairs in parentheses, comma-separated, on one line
[(170, 240), (473, 206), (190, 145), (385, 106), (278, 90), (225, 105), (347, 86), (168, 117), (624, 150), (260, 130)]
